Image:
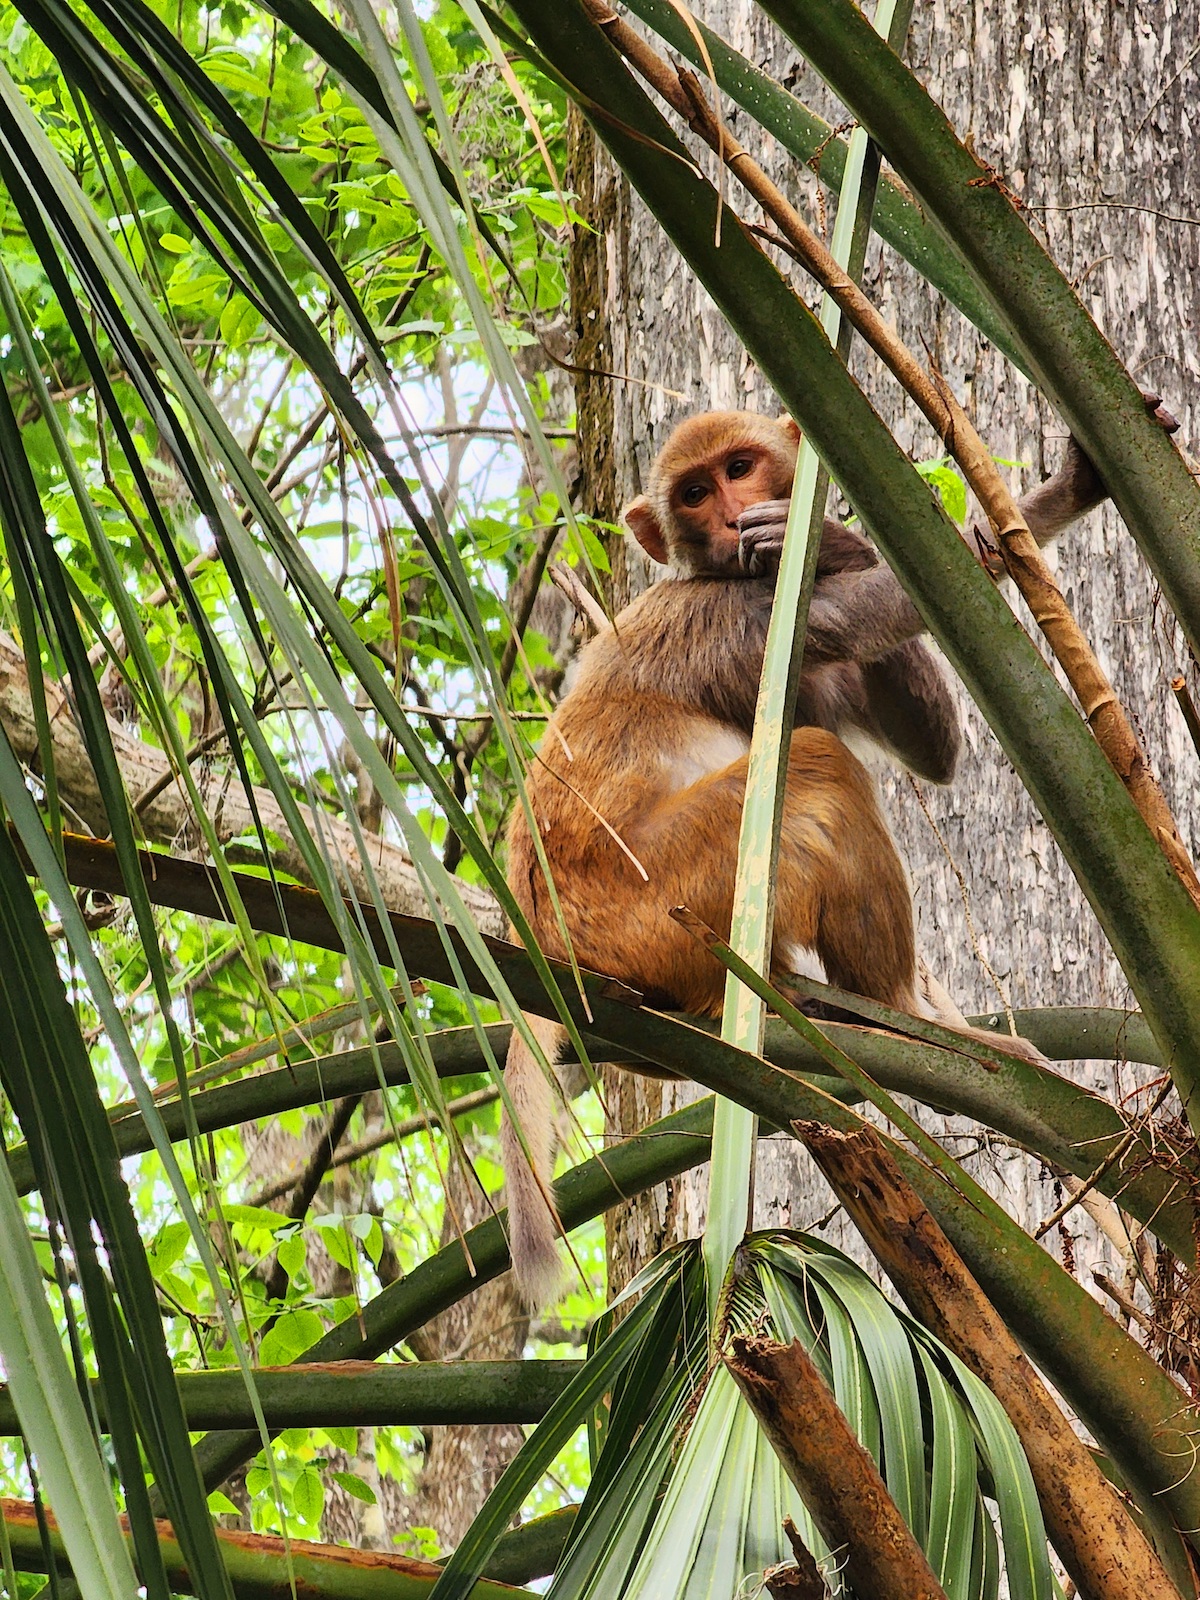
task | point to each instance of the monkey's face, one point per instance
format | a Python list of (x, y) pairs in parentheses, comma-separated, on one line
[(709, 471), (707, 498)]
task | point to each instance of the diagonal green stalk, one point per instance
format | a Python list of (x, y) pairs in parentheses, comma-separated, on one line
[(593, 1379), (735, 1131), (52, 1415), (897, 219), (49, 1082), (1063, 349)]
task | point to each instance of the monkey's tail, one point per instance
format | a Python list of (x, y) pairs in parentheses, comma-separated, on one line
[(942, 1008), (533, 1225)]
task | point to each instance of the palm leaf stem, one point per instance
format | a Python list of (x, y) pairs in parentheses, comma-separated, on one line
[(359, 1394), (1061, 1121), (262, 1567), (660, 1151)]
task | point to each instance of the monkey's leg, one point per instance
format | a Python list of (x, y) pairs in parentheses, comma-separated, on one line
[(841, 890), (841, 887), (864, 933)]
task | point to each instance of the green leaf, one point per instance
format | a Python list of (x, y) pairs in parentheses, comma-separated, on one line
[(355, 1486), (336, 1239), (291, 1336), (256, 1217), (239, 321), (169, 1246), (308, 1495), (293, 1255)]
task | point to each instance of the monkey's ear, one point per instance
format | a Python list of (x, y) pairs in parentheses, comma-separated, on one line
[(639, 516), (791, 427)]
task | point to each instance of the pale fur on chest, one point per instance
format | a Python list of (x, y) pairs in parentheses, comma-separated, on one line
[(701, 748)]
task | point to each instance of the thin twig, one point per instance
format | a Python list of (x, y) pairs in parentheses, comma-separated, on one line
[(152, 790), (403, 1129), (1117, 1153), (564, 577), (1114, 205), (1147, 1324), (488, 430), (310, 1181)]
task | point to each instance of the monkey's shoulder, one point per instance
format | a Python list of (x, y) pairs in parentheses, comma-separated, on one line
[(694, 643), (678, 613)]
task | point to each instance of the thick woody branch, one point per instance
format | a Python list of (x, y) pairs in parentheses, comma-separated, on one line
[(260, 1566), (1105, 715), (167, 816), (1101, 1546), (836, 1476)]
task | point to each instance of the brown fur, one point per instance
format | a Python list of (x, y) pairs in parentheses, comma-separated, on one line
[(654, 738), (532, 1224)]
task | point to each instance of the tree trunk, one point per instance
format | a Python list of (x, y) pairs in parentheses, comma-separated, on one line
[(1082, 107)]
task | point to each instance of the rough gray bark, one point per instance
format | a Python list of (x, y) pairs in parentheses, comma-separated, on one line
[(1085, 109)]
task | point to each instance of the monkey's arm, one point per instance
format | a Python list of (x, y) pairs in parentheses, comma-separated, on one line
[(1074, 490), (1051, 508), (910, 710), (859, 616)]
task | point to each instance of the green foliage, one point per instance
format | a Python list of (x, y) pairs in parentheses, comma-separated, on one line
[(231, 990), (679, 1464), (947, 480), (271, 305)]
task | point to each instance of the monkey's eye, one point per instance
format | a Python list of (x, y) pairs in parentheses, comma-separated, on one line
[(694, 494), (740, 467)]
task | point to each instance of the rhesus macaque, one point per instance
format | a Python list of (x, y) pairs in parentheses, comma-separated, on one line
[(650, 746)]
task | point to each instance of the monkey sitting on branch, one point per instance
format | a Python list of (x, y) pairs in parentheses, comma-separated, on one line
[(638, 787)]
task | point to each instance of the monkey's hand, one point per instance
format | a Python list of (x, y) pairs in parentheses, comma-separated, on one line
[(1075, 489), (760, 543), (1077, 470)]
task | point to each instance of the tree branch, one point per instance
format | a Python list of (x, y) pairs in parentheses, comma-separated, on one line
[(1100, 1544), (166, 815), (834, 1473)]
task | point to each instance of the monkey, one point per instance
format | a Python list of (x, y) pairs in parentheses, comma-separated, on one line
[(868, 676), (637, 790)]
